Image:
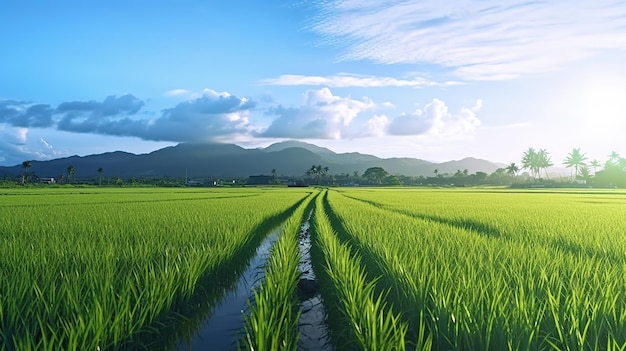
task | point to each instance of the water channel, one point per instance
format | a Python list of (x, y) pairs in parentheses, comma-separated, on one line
[(313, 329), (225, 324), (224, 327)]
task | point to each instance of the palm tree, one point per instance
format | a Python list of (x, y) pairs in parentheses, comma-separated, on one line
[(529, 162), (70, 172), (26, 167), (575, 159), (316, 172), (614, 157), (325, 171), (512, 169), (436, 171), (543, 161), (585, 174), (100, 171), (595, 164)]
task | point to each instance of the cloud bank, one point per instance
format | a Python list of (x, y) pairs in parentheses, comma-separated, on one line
[(212, 116), (434, 120), (327, 116), (222, 117), (477, 40), (323, 116)]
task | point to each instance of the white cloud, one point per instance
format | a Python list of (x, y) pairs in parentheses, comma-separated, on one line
[(376, 126), (182, 94), (210, 117), (477, 40), (46, 144), (323, 116), (16, 146), (327, 116), (21, 135), (177, 92), (435, 120), (351, 80)]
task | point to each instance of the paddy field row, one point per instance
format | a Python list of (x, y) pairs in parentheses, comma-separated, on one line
[(399, 268)]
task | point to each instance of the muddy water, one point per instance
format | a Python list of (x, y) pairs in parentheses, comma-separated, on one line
[(312, 324), (225, 325)]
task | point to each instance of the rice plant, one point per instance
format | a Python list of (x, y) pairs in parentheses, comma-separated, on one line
[(363, 319), (497, 271), (85, 273), (272, 323)]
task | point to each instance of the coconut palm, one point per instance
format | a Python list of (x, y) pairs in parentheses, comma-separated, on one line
[(585, 174), (544, 161), (530, 162), (26, 168), (512, 169), (70, 172), (575, 159), (614, 158), (100, 171), (325, 173), (595, 164)]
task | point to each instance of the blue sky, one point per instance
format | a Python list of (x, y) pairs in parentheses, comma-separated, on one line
[(435, 80)]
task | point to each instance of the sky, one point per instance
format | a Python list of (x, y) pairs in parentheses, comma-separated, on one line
[(436, 80)]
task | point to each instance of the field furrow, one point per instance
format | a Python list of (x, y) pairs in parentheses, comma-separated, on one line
[(114, 275), (477, 291), (360, 317), (395, 268)]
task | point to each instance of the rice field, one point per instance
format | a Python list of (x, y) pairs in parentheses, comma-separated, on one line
[(106, 268), (426, 269), (495, 270)]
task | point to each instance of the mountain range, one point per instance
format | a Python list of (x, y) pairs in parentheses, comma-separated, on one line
[(288, 158)]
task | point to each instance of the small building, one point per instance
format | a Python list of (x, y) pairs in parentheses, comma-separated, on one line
[(47, 180)]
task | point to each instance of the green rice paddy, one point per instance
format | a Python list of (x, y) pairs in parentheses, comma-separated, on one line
[(440, 269)]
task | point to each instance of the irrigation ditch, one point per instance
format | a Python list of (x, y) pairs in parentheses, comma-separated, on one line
[(185, 325), (312, 324), (224, 326), (215, 317)]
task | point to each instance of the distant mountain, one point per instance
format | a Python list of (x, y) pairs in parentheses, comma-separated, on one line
[(299, 144), (289, 158)]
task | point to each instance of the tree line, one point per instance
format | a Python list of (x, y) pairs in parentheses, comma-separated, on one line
[(535, 163), (582, 169)]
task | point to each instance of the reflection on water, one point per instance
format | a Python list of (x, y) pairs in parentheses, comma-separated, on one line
[(312, 324), (225, 324)]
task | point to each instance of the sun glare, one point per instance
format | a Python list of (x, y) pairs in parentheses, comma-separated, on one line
[(602, 107)]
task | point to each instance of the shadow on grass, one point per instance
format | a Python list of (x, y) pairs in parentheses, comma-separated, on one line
[(461, 223), (555, 243)]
